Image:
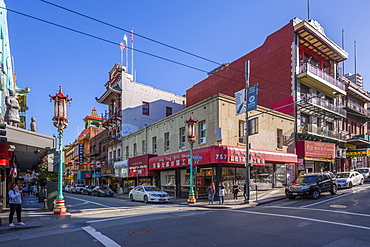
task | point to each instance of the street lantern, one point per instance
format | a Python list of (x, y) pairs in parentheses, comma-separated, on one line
[(60, 122), (191, 123)]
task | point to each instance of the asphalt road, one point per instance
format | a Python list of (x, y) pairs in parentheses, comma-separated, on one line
[(333, 220)]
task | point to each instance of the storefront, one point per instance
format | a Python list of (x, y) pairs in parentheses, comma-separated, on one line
[(138, 171), (220, 164), (121, 172), (358, 159), (315, 157)]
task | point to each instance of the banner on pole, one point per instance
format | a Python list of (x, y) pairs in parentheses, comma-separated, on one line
[(239, 102), (252, 97)]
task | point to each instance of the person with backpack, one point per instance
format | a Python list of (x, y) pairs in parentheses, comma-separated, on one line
[(221, 193), (15, 204)]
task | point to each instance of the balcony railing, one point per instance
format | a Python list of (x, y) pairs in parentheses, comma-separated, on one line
[(324, 104), (358, 108), (307, 67), (320, 131)]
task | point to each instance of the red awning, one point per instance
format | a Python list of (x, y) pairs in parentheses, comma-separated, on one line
[(220, 154)]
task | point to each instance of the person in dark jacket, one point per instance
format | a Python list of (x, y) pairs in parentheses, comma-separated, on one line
[(15, 204)]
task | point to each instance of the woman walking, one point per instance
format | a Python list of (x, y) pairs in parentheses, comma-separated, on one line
[(221, 193), (236, 190), (15, 204), (211, 193)]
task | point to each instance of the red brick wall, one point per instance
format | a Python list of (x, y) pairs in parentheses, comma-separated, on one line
[(271, 62)]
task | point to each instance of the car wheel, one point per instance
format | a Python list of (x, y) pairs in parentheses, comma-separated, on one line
[(350, 185), (131, 198), (316, 194), (291, 197), (362, 182), (333, 190), (145, 199)]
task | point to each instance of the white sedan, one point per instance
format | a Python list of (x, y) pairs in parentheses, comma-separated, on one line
[(349, 179), (148, 194)]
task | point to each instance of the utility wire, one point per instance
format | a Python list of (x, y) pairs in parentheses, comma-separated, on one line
[(155, 41), (114, 43)]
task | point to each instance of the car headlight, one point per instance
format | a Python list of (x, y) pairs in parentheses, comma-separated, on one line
[(305, 187), (288, 188), (154, 195)]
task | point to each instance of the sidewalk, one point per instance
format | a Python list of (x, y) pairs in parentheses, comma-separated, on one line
[(34, 214)]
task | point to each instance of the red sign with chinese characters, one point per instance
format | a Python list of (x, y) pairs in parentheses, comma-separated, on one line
[(316, 149), (219, 154), (138, 166)]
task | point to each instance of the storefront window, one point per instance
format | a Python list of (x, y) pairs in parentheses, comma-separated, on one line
[(228, 178), (262, 176), (167, 180), (280, 175)]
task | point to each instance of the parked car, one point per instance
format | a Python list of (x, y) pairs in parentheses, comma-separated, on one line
[(88, 189), (148, 194), (365, 172), (349, 179), (77, 189), (68, 188), (102, 191), (312, 185)]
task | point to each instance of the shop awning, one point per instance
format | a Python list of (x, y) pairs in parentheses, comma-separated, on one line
[(220, 154)]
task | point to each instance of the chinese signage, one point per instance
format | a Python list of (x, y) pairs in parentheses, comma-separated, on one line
[(316, 149), (139, 166), (359, 152), (81, 153)]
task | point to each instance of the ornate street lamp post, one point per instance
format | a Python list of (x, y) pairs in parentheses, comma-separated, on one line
[(191, 139), (61, 122)]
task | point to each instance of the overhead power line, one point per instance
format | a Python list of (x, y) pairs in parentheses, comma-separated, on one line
[(155, 41), (117, 44)]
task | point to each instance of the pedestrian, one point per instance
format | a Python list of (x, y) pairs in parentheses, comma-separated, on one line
[(245, 190), (236, 190), (211, 193), (15, 204), (30, 189), (25, 190), (221, 193)]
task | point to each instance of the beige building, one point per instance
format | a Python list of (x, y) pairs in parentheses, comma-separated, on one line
[(219, 150)]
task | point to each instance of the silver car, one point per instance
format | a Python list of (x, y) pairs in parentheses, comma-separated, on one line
[(349, 179), (365, 172), (148, 194)]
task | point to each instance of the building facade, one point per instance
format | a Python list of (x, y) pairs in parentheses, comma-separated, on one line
[(219, 152)]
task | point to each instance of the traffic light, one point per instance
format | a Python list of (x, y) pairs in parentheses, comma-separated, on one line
[(3, 138)]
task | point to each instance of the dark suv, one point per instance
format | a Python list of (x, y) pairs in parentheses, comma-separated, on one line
[(312, 185)]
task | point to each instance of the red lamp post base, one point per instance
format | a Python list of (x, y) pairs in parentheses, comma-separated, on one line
[(60, 208), (191, 199)]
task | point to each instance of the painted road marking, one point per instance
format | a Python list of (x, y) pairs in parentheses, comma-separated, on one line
[(302, 218), (96, 203), (100, 237)]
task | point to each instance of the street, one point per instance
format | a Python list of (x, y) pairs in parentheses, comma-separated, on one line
[(332, 220)]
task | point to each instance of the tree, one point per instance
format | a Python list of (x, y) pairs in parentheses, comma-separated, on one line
[(44, 176)]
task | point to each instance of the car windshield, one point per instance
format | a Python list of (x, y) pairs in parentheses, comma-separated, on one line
[(152, 189), (306, 179), (343, 175), (104, 188), (363, 170)]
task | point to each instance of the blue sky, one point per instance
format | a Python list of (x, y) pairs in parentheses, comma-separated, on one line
[(47, 56)]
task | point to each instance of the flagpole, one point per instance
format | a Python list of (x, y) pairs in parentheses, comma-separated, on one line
[(126, 53), (132, 55), (121, 57)]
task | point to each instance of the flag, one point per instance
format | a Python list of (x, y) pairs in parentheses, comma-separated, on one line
[(125, 38), (132, 36), (122, 46)]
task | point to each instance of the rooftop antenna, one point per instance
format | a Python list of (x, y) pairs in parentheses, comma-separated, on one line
[(308, 8), (355, 61)]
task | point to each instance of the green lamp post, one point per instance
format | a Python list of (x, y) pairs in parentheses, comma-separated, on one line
[(191, 123), (60, 122)]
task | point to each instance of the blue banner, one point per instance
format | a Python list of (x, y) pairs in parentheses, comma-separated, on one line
[(252, 97)]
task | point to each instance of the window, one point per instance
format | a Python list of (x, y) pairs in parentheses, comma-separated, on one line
[(182, 137), (145, 108), (127, 153), (143, 147), (168, 111), (279, 138), (167, 141), (135, 149), (118, 154), (154, 145), (202, 132), (253, 126), (242, 131)]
